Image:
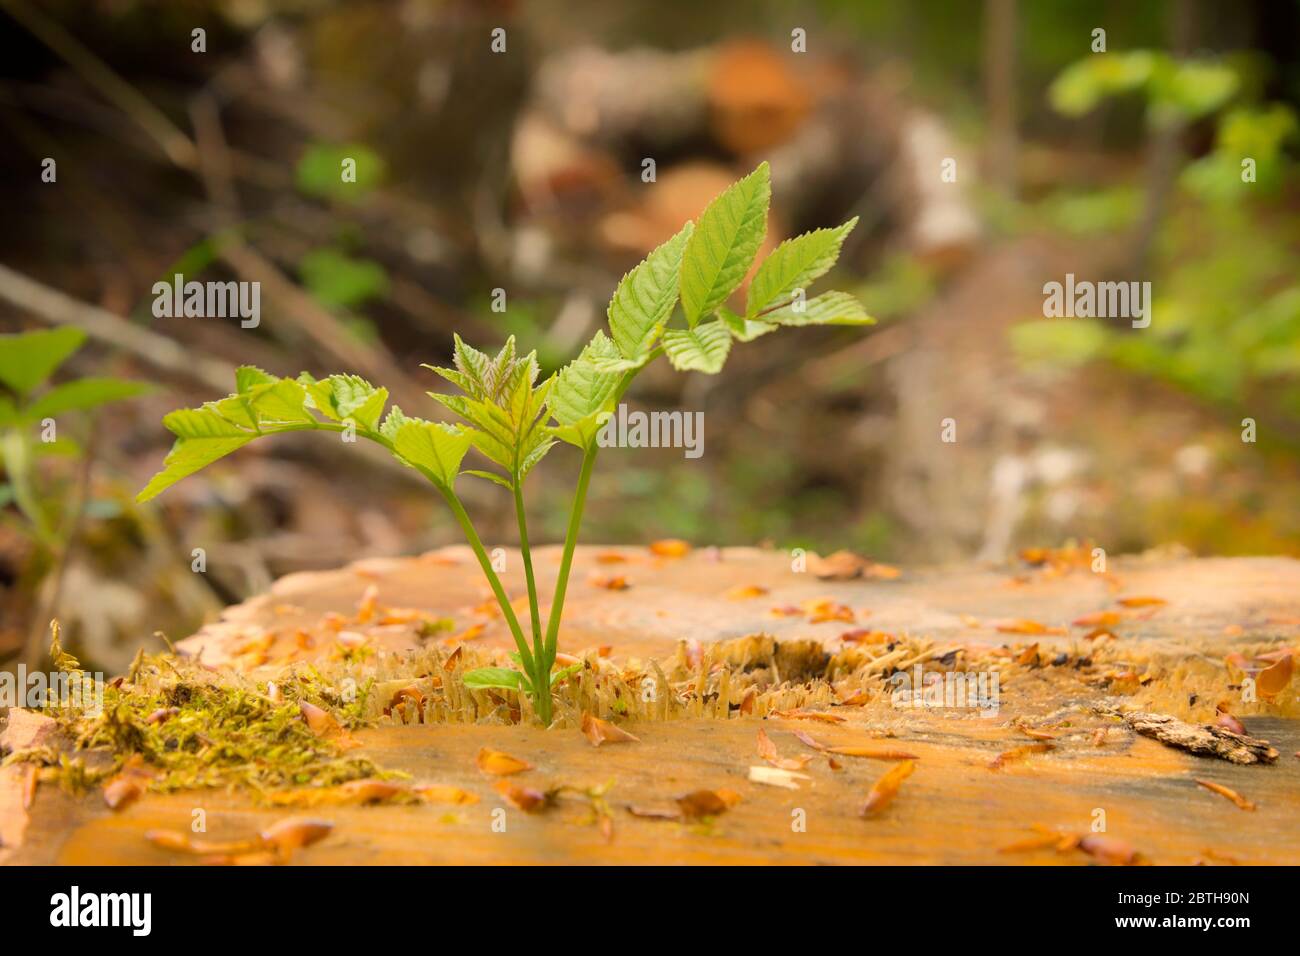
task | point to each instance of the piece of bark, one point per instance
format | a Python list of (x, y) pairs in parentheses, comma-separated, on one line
[(1206, 741)]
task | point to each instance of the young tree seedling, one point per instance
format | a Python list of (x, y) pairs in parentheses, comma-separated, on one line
[(512, 420)]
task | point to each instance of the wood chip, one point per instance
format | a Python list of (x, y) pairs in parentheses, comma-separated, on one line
[(776, 777), (1208, 741)]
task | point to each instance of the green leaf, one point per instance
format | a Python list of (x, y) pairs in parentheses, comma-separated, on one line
[(563, 672), (483, 678), (436, 448), (582, 392), (701, 349), (29, 358), (392, 422), (743, 329), (202, 437), (829, 308), (724, 243), (646, 296), (249, 376), (342, 397), (84, 393), (490, 476), (794, 264)]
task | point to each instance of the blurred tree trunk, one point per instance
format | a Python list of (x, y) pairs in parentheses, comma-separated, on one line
[(1000, 93)]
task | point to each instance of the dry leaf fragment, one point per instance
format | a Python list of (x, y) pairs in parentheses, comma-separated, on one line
[(321, 722), (1029, 656), (743, 592), (445, 793), (520, 797), (1223, 791), (808, 741), (767, 750), (1272, 680), (881, 572), (128, 784), (871, 753), (1141, 601), (801, 714), (368, 605), (1097, 619), (1036, 733), (610, 582), (670, 548), (706, 803), (293, 833), (1108, 849), (826, 609), (655, 813), (1019, 753), (1039, 841), (470, 633), (886, 787), (1027, 626), (603, 732), (777, 777), (1226, 720), (500, 764), (787, 610), (840, 566)]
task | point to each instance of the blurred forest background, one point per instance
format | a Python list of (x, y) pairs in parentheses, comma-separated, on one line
[(523, 171)]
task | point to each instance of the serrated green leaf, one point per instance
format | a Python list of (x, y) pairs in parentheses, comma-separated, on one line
[(436, 448), (743, 329), (392, 422), (795, 264), (701, 349), (280, 401), (249, 376), (341, 397), (489, 476), (829, 308), (581, 390), (202, 437), (724, 243), (645, 298), (29, 358), (84, 393)]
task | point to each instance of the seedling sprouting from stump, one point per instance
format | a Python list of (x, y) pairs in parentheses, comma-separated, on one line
[(513, 421)]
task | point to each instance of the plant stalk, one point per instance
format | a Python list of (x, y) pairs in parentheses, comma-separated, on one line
[(486, 564), (570, 542)]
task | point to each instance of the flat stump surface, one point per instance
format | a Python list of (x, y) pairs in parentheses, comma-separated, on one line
[(960, 805)]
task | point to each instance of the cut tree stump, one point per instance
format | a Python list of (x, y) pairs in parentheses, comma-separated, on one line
[(1056, 756)]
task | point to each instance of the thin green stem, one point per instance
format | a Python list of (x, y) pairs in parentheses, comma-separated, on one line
[(528, 564), (566, 561), (486, 564)]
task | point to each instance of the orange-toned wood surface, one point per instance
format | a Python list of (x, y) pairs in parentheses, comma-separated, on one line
[(953, 809)]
